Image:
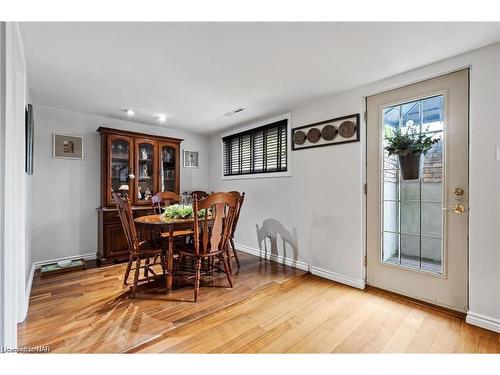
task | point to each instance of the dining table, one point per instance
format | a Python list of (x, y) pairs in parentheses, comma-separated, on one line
[(167, 225)]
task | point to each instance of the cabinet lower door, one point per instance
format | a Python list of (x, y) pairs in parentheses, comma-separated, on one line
[(115, 243)]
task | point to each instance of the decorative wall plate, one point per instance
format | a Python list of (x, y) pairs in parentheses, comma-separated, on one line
[(324, 133), (328, 132), (299, 137), (313, 135), (347, 129)]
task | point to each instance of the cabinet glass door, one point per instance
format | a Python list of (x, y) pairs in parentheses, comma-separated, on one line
[(168, 165), (120, 161), (145, 172)]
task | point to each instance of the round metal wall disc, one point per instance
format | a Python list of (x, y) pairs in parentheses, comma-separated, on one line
[(313, 135)]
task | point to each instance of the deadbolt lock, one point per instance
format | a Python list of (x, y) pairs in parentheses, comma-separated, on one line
[(458, 191)]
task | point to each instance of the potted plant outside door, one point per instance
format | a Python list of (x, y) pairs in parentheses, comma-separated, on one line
[(410, 146)]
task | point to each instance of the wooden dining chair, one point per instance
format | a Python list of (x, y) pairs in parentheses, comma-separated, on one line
[(200, 194), (211, 236), (163, 199), (241, 198), (139, 250)]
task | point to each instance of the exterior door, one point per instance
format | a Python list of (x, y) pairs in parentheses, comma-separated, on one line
[(417, 229)]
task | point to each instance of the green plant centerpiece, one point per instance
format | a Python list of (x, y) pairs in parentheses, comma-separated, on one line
[(180, 211), (409, 146)]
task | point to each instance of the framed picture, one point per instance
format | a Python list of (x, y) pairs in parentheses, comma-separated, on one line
[(29, 129), (67, 146), (190, 159)]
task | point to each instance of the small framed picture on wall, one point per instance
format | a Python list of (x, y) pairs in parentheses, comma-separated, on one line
[(66, 146), (190, 159)]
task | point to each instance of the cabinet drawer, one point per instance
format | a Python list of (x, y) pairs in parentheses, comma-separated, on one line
[(111, 217)]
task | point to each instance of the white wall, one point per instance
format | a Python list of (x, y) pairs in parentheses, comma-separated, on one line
[(323, 199), (320, 206), (66, 193)]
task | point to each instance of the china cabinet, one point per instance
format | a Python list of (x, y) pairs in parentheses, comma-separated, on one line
[(136, 165)]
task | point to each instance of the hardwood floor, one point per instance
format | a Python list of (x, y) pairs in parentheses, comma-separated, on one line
[(272, 309)]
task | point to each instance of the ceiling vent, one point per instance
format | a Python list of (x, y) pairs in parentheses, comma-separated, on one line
[(237, 110)]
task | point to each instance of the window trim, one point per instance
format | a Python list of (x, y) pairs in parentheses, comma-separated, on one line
[(287, 173)]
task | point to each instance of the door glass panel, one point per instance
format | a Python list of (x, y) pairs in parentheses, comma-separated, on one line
[(413, 209), (391, 216), (168, 163), (120, 166), (410, 190), (431, 252), (432, 186), (431, 219), (410, 217), (410, 250), (145, 179), (410, 114), (391, 248), (391, 184)]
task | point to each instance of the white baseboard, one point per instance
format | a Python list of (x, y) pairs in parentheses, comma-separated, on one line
[(360, 284), (41, 263), (483, 321), (356, 283), (276, 258)]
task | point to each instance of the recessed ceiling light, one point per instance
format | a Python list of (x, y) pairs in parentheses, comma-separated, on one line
[(130, 112), (162, 118), (234, 111)]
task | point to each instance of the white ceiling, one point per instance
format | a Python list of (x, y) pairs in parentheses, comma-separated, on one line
[(196, 72)]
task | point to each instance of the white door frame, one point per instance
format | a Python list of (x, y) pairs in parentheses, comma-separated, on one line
[(13, 90), (9, 281), (4, 330)]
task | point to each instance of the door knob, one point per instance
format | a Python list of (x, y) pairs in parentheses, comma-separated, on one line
[(458, 208)]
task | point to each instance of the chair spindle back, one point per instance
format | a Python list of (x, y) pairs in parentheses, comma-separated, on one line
[(167, 197), (241, 198), (200, 194), (215, 237), (127, 220)]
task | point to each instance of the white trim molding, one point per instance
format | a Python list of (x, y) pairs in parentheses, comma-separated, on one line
[(483, 321), (276, 258), (356, 283)]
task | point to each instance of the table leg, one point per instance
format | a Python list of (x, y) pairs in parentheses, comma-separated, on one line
[(170, 264)]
